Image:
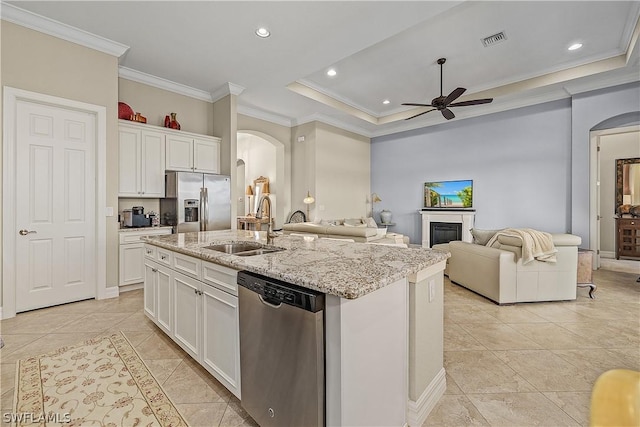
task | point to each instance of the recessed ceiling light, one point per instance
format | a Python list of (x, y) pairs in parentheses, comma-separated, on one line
[(386, 101), (262, 32), (332, 72), (575, 46)]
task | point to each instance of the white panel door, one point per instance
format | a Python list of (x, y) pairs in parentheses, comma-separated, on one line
[(206, 156), (221, 337), (152, 171), (55, 205), (186, 313), (129, 162), (179, 153)]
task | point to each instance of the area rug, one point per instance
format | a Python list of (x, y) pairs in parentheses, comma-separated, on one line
[(101, 382)]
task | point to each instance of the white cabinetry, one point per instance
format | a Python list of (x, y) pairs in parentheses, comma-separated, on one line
[(132, 254), (192, 153), (203, 301), (141, 162)]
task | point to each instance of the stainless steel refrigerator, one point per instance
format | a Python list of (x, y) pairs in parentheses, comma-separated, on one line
[(196, 202)]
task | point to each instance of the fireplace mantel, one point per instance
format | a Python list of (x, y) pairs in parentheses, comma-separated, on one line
[(466, 217)]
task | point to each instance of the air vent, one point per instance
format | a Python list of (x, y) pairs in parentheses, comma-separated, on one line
[(494, 39)]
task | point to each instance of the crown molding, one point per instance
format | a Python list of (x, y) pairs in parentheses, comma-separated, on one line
[(226, 89), (16, 15), (264, 115), (332, 122), (326, 93), (160, 83), (577, 87)]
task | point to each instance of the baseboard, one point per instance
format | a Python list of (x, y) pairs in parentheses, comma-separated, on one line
[(111, 292), (607, 254), (133, 287), (417, 412)]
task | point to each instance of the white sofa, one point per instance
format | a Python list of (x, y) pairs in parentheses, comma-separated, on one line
[(498, 272), (357, 233)]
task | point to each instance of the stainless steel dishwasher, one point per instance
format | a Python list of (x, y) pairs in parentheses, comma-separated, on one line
[(281, 352)]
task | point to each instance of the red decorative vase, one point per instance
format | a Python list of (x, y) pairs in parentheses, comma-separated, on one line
[(174, 123), (167, 121)]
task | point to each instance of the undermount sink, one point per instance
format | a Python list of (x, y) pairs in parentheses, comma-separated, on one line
[(243, 248)]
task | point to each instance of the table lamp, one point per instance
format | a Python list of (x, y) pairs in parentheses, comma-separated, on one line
[(249, 193), (307, 201)]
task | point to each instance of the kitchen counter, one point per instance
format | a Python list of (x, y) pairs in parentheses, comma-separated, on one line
[(344, 269)]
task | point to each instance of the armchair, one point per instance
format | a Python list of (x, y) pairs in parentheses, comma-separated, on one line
[(499, 274)]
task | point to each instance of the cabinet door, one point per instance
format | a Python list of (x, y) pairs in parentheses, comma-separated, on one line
[(179, 153), (206, 156), (152, 164), (220, 337), (150, 277), (129, 162), (131, 263), (164, 300), (186, 313)]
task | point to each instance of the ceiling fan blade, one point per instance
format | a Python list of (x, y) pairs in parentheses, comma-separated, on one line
[(455, 94), (416, 105), (448, 114), (472, 102), (419, 114)]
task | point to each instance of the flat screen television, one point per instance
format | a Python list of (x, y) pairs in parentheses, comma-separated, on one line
[(448, 194)]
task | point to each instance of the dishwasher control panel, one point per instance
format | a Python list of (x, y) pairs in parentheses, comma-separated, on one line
[(276, 291)]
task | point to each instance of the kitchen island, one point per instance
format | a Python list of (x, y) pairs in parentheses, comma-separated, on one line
[(383, 315)]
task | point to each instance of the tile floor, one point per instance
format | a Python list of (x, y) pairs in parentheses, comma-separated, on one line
[(520, 365)]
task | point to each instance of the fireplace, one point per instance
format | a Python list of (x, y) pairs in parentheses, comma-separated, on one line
[(462, 219), (444, 232)]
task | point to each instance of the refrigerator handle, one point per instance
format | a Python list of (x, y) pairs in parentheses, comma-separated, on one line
[(201, 209), (206, 209)]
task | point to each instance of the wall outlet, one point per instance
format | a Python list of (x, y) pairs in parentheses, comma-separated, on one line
[(109, 211), (432, 290)]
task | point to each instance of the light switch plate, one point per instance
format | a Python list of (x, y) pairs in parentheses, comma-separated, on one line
[(109, 211)]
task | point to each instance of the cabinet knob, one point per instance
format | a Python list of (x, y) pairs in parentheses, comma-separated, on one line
[(163, 257), (155, 270)]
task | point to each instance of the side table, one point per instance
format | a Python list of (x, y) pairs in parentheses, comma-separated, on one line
[(585, 270)]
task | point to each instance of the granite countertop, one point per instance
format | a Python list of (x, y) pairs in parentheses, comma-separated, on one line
[(346, 269), (155, 227)]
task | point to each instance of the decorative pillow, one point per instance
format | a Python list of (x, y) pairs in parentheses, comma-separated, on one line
[(482, 237), (370, 222), (353, 222)]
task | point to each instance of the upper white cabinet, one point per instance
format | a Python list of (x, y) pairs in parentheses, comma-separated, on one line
[(141, 162), (193, 153)]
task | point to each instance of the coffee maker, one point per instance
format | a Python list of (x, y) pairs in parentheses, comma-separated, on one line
[(135, 217)]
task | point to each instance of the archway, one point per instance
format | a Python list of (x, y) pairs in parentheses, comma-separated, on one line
[(263, 155), (614, 137)]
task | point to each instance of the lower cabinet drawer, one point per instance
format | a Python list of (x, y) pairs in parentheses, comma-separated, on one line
[(221, 277), (187, 265)]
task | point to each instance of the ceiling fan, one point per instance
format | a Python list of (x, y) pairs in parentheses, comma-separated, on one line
[(442, 103)]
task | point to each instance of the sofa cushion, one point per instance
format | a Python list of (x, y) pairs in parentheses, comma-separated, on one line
[(510, 241), (482, 237), (354, 222)]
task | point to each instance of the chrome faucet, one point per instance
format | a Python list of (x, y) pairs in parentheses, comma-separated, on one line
[(270, 233)]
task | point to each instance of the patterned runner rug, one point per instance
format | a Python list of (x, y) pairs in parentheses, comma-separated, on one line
[(101, 382)]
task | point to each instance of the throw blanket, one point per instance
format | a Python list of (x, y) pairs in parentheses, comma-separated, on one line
[(536, 245)]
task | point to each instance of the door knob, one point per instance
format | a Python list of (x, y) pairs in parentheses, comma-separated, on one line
[(24, 232)]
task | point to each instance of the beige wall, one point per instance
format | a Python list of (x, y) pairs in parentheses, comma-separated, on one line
[(341, 157), (226, 128), (303, 167), (193, 115), (40, 63)]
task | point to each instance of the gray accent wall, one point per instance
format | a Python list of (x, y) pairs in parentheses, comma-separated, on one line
[(529, 166)]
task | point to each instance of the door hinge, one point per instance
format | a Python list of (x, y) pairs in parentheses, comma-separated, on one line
[(598, 148), (598, 252)]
